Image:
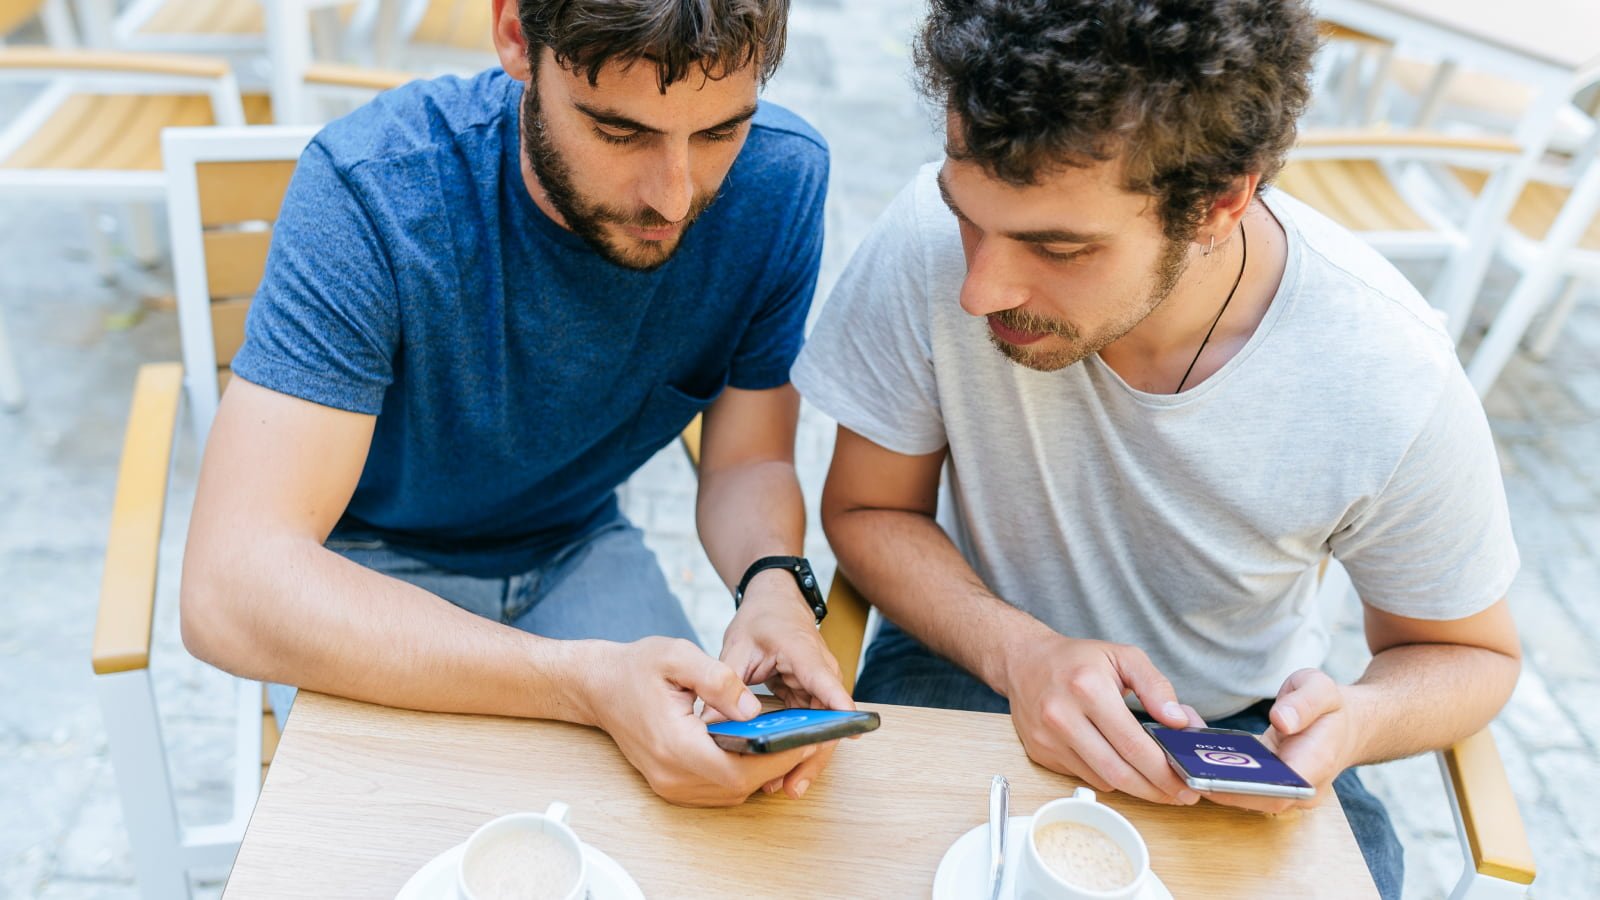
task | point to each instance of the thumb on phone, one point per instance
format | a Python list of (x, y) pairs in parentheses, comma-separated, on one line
[(712, 681)]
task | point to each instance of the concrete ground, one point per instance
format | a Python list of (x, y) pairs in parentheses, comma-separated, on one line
[(79, 342)]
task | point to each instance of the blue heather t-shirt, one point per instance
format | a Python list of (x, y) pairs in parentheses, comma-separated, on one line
[(517, 376)]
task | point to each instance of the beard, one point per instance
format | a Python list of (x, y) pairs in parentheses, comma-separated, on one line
[(1073, 345), (588, 219)]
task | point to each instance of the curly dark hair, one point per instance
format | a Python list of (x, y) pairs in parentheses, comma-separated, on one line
[(718, 37), (1191, 93)]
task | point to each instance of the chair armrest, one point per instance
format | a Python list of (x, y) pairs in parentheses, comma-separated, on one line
[(1405, 145), (1486, 811), (53, 61), (845, 627), (337, 75), (691, 440), (128, 589)]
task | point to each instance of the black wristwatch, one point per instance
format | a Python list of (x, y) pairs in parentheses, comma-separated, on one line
[(800, 568)]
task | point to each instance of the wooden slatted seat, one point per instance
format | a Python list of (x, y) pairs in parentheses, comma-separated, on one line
[(1356, 193), (119, 131), (460, 24), (1536, 208)]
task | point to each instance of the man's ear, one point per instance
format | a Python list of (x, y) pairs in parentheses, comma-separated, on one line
[(509, 43), (1227, 210)]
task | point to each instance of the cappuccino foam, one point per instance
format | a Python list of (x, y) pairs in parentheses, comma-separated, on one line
[(1083, 856), (521, 864)]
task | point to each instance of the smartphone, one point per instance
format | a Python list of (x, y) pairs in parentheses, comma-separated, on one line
[(1227, 761), (786, 729)]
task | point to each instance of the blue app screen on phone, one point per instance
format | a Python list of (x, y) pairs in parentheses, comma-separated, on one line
[(775, 723), (1226, 757)]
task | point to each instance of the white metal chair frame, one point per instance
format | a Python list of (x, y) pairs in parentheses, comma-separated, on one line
[(276, 58), (1407, 158), (68, 72), (165, 851)]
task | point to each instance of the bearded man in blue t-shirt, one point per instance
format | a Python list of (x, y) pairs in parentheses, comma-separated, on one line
[(488, 301)]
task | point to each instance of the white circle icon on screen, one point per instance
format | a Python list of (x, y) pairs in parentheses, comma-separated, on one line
[(779, 722), (1230, 758)]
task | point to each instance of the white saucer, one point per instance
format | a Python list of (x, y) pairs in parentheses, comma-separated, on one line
[(964, 871), (608, 880)]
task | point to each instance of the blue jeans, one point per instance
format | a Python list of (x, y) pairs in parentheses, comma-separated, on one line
[(900, 669), (607, 585)]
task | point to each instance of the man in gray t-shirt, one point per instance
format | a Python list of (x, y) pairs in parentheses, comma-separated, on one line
[(1162, 398)]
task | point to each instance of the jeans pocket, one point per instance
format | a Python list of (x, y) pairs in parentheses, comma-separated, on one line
[(666, 412)]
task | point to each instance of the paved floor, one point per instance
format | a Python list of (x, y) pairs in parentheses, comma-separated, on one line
[(79, 342)]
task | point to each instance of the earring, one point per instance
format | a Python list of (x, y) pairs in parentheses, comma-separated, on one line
[(1211, 246)]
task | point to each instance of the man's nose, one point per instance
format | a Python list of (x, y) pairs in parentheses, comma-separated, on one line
[(991, 285), (669, 188)]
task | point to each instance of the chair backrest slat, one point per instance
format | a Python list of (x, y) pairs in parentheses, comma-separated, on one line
[(13, 13), (235, 261), (227, 328), (232, 193), (225, 187)]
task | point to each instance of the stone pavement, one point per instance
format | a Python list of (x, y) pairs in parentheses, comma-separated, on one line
[(79, 341)]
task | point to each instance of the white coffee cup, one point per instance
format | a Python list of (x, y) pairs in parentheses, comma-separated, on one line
[(1036, 880), (552, 822)]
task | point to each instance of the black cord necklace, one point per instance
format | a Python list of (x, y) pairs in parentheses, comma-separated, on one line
[(1244, 257)]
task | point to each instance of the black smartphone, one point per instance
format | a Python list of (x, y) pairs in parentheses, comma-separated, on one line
[(1234, 762), (786, 729)]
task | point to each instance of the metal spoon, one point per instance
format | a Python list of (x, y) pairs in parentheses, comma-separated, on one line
[(999, 823)]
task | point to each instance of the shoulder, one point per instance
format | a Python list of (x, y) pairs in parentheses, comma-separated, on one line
[(1383, 355), (782, 148), (423, 118)]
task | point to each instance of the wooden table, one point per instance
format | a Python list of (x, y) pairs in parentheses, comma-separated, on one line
[(359, 797)]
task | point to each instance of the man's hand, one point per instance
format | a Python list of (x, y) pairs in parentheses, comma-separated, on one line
[(643, 695), (773, 639), (1068, 708), (1312, 732)]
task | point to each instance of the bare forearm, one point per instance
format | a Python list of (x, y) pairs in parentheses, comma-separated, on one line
[(906, 563), (291, 611), (1420, 697), (748, 511)]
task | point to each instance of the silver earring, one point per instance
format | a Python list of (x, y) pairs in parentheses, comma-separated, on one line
[(1211, 246)]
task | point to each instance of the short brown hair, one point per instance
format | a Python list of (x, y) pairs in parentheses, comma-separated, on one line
[(1191, 94), (719, 37)]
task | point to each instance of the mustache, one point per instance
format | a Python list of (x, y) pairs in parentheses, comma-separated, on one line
[(1018, 319), (650, 219)]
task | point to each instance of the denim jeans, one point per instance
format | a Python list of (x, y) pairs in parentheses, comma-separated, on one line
[(606, 585), (901, 670)]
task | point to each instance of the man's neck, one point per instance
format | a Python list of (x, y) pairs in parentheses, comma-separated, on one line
[(1153, 356)]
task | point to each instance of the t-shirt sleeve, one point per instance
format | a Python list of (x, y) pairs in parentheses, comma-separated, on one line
[(869, 360), (324, 325), (772, 340), (1436, 542)]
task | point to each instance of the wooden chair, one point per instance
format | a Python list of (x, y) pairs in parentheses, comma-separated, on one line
[(435, 36), (1384, 185), (1554, 237), (226, 185), (55, 21), (268, 42), (93, 133)]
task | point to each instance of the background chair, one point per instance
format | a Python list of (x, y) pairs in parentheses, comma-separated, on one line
[(1384, 185), (93, 132), (226, 185)]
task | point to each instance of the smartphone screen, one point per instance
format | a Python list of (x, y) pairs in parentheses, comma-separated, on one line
[(1217, 754), (787, 728)]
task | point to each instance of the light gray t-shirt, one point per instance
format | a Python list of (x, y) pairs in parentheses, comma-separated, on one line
[(1191, 525)]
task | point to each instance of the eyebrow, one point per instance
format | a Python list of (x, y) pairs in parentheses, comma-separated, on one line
[(617, 120), (1037, 236)]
